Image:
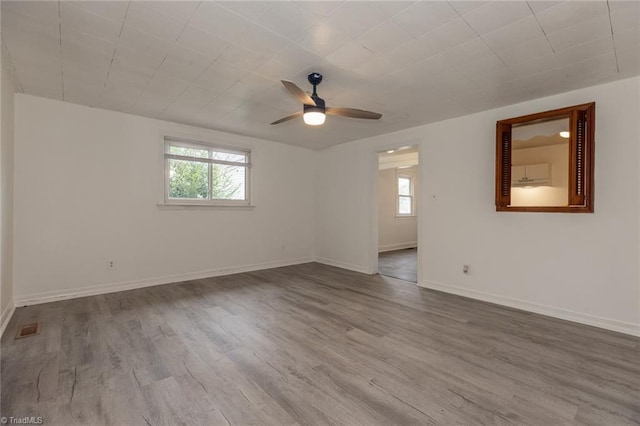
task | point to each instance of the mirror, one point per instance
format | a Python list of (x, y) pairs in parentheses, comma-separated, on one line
[(540, 163), (544, 161)]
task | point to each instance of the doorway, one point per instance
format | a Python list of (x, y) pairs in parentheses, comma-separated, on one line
[(397, 198)]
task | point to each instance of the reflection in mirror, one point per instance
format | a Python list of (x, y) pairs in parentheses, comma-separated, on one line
[(540, 163)]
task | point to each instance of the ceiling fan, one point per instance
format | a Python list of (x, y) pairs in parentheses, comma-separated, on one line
[(314, 109)]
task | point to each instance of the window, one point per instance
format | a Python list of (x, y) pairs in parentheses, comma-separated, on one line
[(405, 195), (201, 174)]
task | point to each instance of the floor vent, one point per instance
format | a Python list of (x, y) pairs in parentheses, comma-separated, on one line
[(28, 330)]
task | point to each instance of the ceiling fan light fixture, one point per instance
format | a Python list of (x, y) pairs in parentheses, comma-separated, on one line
[(313, 116)]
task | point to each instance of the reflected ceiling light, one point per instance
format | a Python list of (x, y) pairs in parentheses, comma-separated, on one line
[(564, 134), (391, 151), (313, 116)]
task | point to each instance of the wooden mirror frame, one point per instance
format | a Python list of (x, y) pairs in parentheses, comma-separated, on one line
[(581, 159)]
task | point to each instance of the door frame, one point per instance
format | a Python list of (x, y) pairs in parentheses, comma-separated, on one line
[(373, 208)]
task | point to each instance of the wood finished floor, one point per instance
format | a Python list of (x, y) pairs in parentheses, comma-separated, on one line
[(311, 344), (401, 264)]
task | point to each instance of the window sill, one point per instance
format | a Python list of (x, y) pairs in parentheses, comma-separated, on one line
[(194, 206), (413, 216)]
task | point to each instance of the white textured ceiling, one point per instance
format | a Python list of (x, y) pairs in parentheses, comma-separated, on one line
[(218, 64)]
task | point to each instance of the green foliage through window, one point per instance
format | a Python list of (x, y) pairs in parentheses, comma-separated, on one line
[(204, 173), (188, 179)]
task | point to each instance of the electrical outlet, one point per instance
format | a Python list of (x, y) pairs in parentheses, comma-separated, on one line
[(111, 264), (465, 269)]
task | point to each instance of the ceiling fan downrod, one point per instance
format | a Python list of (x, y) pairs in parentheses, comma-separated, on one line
[(314, 78)]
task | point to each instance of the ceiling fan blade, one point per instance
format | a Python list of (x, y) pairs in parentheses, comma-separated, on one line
[(352, 113), (288, 117), (298, 93)]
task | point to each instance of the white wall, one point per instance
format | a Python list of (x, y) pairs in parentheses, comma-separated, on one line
[(346, 215), (582, 267), (87, 184), (6, 196), (395, 232)]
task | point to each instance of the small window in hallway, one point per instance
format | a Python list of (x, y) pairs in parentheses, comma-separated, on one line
[(405, 195)]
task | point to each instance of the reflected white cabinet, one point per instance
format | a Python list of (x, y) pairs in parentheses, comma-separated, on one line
[(530, 175)]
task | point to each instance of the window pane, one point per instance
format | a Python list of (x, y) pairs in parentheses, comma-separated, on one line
[(228, 182), (188, 179), (404, 205), (404, 186), (191, 152), (227, 156)]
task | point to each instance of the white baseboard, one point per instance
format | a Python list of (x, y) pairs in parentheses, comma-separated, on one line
[(6, 316), (343, 265), (46, 297), (588, 319), (38, 298), (397, 246)]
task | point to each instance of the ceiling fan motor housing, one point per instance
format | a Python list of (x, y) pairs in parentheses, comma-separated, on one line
[(319, 106), (315, 78)]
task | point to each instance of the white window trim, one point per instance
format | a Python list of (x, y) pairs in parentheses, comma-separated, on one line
[(173, 203), (403, 173)]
